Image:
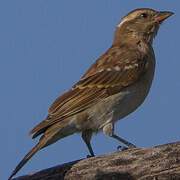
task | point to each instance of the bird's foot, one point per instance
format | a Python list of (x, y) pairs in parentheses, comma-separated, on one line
[(89, 156), (123, 148)]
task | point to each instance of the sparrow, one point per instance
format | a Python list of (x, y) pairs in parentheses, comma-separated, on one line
[(112, 88)]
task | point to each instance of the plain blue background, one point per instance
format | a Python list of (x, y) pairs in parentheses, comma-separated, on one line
[(46, 46)]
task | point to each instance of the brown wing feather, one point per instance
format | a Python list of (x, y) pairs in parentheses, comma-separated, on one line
[(117, 68), (82, 99)]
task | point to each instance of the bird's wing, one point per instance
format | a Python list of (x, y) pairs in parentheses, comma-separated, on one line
[(116, 69)]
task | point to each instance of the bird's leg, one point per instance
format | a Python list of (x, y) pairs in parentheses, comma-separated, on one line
[(130, 145), (86, 136), (108, 129)]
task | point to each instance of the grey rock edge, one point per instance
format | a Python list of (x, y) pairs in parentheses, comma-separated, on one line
[(154, 163)]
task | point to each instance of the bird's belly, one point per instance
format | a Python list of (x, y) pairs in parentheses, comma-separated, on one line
[(128, 101), (117, 106)]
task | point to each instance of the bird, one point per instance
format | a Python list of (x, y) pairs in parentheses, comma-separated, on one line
[(114, 86)]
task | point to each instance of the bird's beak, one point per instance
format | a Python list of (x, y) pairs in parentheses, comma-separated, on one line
[(162, 15)]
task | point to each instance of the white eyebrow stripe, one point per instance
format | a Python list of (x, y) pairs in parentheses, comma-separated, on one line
[(128, 17), (123, 20)]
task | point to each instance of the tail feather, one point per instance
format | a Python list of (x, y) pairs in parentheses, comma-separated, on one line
[(40, 144), (51, 135)]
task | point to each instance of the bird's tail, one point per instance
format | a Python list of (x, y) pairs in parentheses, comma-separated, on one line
[(54, 133), (37, 147)]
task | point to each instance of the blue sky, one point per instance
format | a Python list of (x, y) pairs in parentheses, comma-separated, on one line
[(46, 46)]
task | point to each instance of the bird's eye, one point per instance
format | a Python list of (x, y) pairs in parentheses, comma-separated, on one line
[(144, 15)]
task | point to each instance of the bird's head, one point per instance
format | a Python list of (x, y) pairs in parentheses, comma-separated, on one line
[(140, 24)]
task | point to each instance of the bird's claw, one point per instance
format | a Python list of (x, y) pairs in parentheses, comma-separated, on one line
[(89, 156), (123, 148)]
